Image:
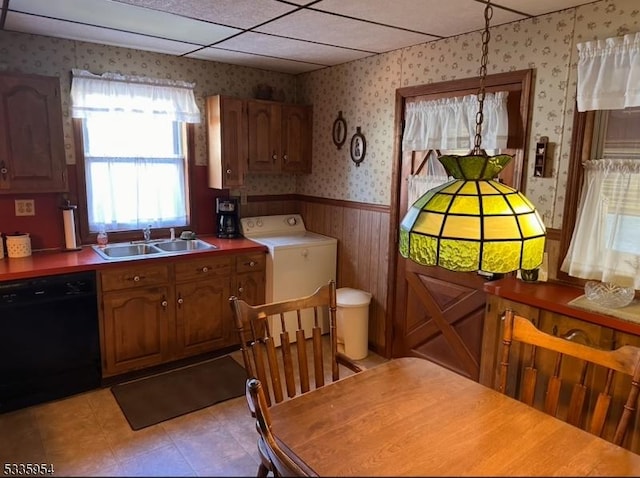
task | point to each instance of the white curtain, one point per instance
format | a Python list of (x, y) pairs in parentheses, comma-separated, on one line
[(111, 92), (450, 123), (605, 244), (609, 73), (133, 152)]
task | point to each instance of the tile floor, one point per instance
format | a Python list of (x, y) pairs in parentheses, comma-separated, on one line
[(87, 435)]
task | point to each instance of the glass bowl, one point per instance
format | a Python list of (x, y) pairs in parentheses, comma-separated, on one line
[(607, 294)]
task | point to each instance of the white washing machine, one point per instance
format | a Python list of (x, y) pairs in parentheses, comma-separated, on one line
[(298, 262)]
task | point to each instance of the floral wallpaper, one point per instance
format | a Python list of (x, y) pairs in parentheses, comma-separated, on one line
[(364, 91)]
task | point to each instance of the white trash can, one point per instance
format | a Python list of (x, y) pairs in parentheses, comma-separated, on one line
[(353, 322)]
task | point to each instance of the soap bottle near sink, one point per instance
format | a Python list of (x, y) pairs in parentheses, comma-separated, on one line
[(102, 238)]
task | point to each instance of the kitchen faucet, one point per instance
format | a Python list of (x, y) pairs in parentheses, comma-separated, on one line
[(146, 232)]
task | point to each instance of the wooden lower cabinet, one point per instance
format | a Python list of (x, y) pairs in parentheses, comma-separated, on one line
[(561, 325), (137, 319), (160, 313), (250, 278)]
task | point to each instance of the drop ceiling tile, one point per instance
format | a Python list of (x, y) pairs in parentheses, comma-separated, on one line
[(254, 61), (442, 18), (235, 13), (339, 31), (56, 28), (279, 47), (541, 7), (127, 18)]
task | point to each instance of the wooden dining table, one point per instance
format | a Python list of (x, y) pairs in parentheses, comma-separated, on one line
[(412, 417)]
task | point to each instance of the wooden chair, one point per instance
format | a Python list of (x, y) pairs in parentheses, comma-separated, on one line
[(259, 346), (261, 357), (624, 360), (280, 463)]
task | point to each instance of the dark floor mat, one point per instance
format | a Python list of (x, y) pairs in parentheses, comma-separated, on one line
[(158, 398)]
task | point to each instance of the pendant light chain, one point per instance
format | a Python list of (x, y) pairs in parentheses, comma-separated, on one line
[(486, 35)]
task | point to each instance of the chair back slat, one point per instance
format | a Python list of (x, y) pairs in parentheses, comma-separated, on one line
[(578, 397), (303, 363), (553, 388), (287, 361), (624, 360), (318, 358), (259, 370), (274, 369), (601, 408), (530, 379)]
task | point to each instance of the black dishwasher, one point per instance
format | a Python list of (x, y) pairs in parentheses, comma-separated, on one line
[(49, 345)]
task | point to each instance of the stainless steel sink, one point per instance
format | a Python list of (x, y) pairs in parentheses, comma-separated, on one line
[(179, 245), (118, 251), (129, 251)]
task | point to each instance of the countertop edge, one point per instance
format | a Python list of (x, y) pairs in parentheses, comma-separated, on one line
[(555, 297), (47, 263)]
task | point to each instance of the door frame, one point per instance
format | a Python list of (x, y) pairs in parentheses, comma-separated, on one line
[(520, 80)]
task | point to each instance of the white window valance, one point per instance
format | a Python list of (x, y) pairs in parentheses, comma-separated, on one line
[(114, 93), (449, 123), (609, 73)]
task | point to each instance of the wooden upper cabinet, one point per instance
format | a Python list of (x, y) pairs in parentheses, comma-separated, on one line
[(264, 136), (256, 136), (296, 138), (279, 137), (32, 157), (227, 138)]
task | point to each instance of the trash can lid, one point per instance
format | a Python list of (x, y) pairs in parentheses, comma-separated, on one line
[(347, 297)]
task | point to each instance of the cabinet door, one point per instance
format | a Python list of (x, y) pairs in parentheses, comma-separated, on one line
[(203, 316), (264, 136), (138, 325), (227, 136), (296, 139), (31, 139)]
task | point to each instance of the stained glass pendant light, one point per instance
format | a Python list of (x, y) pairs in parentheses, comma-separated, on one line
[(474, 222)]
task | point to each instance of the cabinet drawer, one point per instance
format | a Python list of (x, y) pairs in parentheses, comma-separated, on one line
[(219, 267), (250, 262), (134, 276)]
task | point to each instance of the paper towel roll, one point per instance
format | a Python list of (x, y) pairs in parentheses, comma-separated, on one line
[(69, 229)]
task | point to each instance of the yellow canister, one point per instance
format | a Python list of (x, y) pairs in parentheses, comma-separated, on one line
[(18, 245)]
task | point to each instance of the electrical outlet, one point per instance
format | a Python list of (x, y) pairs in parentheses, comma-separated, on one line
[(25, 207)]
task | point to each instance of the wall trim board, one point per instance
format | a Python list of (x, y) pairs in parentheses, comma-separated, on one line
[(320, 200)]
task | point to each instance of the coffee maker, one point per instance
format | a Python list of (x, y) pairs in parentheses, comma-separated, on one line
[(227, 221)]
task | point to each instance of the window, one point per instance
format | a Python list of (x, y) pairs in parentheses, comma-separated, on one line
[(605, 191), (601, 215), (138, 179), (133, 133)]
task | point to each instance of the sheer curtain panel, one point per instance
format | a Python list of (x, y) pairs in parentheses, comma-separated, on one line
[(605, 243), (448, 124)]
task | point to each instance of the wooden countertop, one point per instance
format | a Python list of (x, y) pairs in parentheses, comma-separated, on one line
[(555, 297), (59, 262)]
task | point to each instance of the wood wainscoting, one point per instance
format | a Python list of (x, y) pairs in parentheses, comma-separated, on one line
[(362, 231)]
